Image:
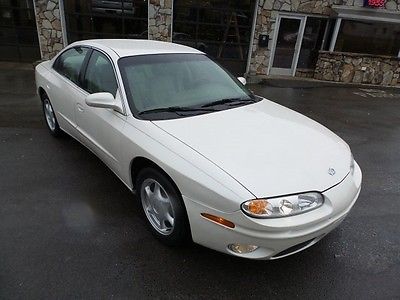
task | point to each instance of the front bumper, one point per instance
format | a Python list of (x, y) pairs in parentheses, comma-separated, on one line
[(277, 237)]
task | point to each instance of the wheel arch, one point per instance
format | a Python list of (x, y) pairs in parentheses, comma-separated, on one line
[(41, 93), (139, 163)]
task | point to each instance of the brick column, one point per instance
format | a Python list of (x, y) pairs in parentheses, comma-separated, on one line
[(160, 20), (48, 21)]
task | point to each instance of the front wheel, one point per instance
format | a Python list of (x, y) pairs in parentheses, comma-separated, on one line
[(163, 206)]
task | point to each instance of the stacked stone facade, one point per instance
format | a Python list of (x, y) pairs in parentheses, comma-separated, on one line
[(160, 20), (48, 20), (358, 68)]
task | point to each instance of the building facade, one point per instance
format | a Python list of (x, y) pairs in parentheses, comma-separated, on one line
[(354, 41), (334, 40)]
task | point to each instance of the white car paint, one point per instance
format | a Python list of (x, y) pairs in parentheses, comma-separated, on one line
[(217, 160), (294, 152)]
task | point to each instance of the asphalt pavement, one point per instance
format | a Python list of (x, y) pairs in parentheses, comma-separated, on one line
[(70, 229)]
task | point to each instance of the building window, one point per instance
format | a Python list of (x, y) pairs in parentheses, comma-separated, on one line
[(18, 34), (368, 37), (220, 28), (106, 19)]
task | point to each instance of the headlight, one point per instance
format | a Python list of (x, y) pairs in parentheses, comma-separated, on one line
[(283, 206), (352, 164)]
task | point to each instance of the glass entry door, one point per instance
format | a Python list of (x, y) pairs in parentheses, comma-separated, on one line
[(287, 46)]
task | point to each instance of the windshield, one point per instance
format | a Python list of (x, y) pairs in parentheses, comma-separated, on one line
[(159, 83)]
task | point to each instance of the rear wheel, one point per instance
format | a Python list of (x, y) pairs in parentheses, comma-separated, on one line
[(50, 117), (163, 207)]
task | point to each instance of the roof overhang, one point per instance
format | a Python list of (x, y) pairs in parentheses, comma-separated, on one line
[(366, 14)]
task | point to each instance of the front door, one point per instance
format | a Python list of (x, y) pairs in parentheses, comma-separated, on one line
[(287, 46), (100, 128), (64, 86)]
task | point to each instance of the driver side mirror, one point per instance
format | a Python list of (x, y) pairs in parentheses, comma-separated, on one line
[(103, 100), (242, 80)]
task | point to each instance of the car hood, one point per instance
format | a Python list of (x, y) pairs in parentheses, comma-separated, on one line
[(269, 149)]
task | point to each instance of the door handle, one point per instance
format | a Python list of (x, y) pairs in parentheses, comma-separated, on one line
[(80, 107)]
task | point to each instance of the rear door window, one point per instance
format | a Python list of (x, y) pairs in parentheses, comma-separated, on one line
[(70, 62)]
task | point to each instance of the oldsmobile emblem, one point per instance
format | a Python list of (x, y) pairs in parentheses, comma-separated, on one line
[(331, 171)]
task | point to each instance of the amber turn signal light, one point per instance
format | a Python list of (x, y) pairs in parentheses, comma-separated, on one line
[(258, 207), (218, 220)]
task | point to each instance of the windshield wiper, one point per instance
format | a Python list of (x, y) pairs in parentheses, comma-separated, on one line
[(175, 109), (230, 101)]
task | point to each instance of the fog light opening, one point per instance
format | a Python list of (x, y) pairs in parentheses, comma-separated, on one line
[(218, 220), (242, 248)]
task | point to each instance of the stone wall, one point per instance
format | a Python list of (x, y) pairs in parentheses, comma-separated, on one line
[(160, 20), (305, 73), (49, 27), (358, 68)]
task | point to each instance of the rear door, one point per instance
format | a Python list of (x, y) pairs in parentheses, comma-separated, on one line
[(64, 86), (100, 128)]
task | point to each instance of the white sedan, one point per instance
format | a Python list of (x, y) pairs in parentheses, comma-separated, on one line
[(209, 160)]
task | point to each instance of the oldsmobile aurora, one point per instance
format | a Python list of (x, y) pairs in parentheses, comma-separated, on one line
[(209, 160)]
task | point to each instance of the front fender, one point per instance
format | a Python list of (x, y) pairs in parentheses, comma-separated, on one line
[(196, 177)]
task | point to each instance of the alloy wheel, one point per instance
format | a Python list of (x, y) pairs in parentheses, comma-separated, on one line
[(157, 206)]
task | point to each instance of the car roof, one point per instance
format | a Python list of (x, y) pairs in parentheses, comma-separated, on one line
[(131, 47)]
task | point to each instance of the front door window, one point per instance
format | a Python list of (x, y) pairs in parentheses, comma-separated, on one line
[(99, 76)]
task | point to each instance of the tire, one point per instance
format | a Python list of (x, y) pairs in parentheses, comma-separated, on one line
[(163, 207), (50, 117)]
